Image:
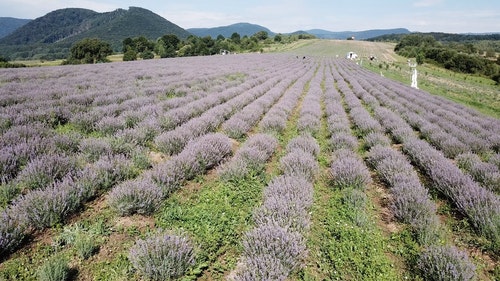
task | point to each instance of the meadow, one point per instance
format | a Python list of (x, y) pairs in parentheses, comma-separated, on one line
[(293, 165)]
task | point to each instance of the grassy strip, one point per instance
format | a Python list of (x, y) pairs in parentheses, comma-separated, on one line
[(215, 217), (345, 242)]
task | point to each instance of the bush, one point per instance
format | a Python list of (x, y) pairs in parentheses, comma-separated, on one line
[(85, 245), (162, 256), (446, 263), (47, 207), (301, 164), (45, 169), (130, 55), (271, 252), (306, 143), (12, 229), (140, 196), (55, 269), (287, 200), (347, 170)]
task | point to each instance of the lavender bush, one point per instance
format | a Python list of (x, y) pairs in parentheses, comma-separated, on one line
[(446, 263), (343, 141), (47, 207), (287, 200), (347, 170), (305, 143), (140, 196), (12, 229), (250, 158), (162, 256), (271, 251), (198, 156), (93, 148), (299, 163), (44, 170), (480, 205)]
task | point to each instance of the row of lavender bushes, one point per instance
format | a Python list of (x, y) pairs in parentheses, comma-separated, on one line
[(276, 246), (129, 107), (58, 171), (275, 120), (167, 255), (479, 204), (157, 258), (50, 205), (250, 159), (172, 142), (411, 202)]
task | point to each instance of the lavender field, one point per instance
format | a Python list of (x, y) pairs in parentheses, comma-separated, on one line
[(242, 167)]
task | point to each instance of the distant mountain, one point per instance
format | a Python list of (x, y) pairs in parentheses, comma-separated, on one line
[(358, 35), (52, 35), (241, 28), (9, 25)]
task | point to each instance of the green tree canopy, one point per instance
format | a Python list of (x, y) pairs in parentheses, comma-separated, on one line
[(90, 50)]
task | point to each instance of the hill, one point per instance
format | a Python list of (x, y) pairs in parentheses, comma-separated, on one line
[(52, 35), (9, 25), (440, 36), (360, 35), (241, 28)]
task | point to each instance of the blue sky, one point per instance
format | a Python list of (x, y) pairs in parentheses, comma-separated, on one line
[(455, 16)]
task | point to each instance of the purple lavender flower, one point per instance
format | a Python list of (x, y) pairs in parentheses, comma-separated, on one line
[(162, 256)]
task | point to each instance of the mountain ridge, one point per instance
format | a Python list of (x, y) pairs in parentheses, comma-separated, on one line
[(52, 35), (9, 25), (242, 28)]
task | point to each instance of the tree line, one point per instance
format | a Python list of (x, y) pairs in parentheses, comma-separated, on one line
[(169, 45), (461, 57)]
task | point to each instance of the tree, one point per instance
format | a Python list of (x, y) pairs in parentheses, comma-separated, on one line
[(235, 37), (90, 50), (167, 46), (130, 55), (278, 38), (261, 35), (420, 58)]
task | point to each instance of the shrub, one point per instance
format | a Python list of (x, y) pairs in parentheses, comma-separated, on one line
[(169, 175), (343, 141), (47, 207), (12, 229), (299, 163), (271, 250), (162, 256), (55, 269), (443, 263), (46, 169), (95, 148), (85, 245), (347, 170), (287, 200), (103, 174), (376, 138), (306, 143), (140, 196)]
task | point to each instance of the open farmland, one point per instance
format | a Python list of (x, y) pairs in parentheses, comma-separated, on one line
[(242, 167)]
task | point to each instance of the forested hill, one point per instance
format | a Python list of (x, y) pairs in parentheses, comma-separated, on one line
[(439, 36), (9, 25), (242, 29), (53, 34)]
